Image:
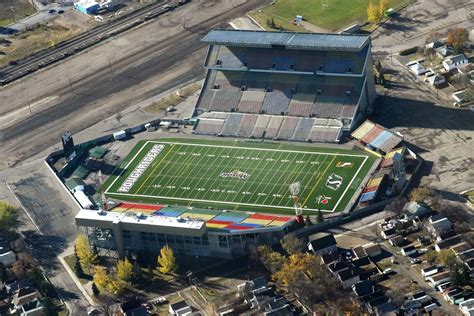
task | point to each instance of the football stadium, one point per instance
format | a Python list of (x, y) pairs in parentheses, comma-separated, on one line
[(255, 156), (239, 176)]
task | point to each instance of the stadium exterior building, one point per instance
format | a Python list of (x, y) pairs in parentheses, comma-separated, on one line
[(286, 86), (131, 228), (273, 85)]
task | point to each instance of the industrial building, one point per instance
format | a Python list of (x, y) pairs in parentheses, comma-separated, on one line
[(87, 7)]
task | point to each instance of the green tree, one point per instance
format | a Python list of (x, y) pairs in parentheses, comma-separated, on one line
[(84, 252), (124, 270), (166, 260), (48, 307), (3, 273), (459, 274), (431, 256), (421, 194), (8, 216), (291, 244), (95, 289), (78, 269), (447, 258)]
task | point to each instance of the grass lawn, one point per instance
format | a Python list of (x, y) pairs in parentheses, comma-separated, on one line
[(239, 175), (70, 260), (11, 11), (335, 15)]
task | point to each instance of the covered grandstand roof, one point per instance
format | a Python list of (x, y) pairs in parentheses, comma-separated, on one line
[(290, 40), (377, 136)]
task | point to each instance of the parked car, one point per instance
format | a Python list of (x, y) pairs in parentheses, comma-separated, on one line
[(60, 11), (52, 11)]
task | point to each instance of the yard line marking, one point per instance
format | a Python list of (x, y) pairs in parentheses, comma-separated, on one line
[(317, 183), (153, 171)]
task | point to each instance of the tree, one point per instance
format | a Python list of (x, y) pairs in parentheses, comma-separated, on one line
[(457, 37), (166, 260), (124, 270), (24, 266), (84, 252), (431, 256), (373, 13), (383, 6), (447, 258), (101, 278), (292, 244), (421, 194), (78, 268), (48, 307), (95, 289), (3, 273), (137, 273), (8, 216), (459, 274), (116, 287)]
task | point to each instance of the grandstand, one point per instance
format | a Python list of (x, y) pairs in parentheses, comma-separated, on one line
[(290, 77)]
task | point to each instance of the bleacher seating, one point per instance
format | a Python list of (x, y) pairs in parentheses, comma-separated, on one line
[(226, 101), (301, 105), (303, 129), (251, 101), (261, 126), (231, 125), (247, 124), (288, 127), (276, 102), (324, 134), (208, 126), (273, 126)]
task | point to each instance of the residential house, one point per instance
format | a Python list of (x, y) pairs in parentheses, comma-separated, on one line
[(132, 308), (338, 266), (452, 62), (255, 286), (466, 255), (388, 233), (398, 241), (448, 243), (436, 80), (417, 209), (373, 250), (418, 69), (7, 257), (430, 308), (439, 278), (322, 243), (359, 252), (364, 287), (386, 309), (470, 266), (439, 224), (348, 277), (26, 302), (278, 306), (429, 271), (461, 247), (17, 285), (444, 51), (330, 257), (460, 96), (467, 307), (409, 250), (180, 308)]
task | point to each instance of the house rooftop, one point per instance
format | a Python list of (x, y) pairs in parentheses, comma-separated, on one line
[(322, 241)]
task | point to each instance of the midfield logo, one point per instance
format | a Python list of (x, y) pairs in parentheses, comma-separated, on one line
[(235, 174)]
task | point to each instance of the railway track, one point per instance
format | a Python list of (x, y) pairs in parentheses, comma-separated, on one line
[(83, 41)]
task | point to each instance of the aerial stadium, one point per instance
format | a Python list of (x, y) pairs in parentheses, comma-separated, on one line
[(263, 150)]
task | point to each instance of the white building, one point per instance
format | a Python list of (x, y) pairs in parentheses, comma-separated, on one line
[(454, 61)]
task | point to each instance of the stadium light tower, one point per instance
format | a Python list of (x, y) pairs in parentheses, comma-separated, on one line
[(295, 195)]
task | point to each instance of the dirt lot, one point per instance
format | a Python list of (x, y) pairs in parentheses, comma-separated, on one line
[(56, 30), (14, 10)]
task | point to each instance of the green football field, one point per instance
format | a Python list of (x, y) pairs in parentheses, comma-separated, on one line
[(239, 175)]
